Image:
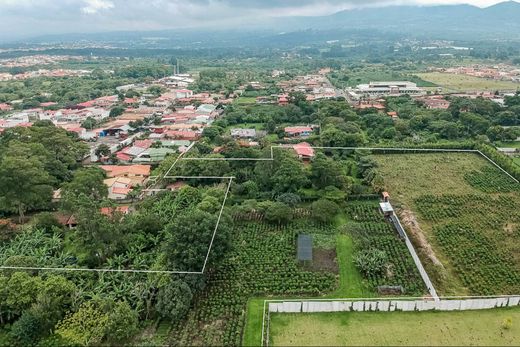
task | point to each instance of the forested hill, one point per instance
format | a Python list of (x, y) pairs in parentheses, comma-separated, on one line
[(456, 21)]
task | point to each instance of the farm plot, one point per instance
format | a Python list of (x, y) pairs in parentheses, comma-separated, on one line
[(472, 228), (459, 83), (262, 262), (374, 236), (467, 328)]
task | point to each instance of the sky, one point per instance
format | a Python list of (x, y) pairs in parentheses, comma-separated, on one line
[(28, 18)]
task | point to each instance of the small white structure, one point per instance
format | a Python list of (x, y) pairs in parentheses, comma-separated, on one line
[(386, 208)]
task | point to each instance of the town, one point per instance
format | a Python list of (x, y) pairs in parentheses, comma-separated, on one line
[(200, 189)]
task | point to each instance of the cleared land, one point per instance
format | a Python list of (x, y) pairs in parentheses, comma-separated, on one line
[(463, 217), (476, 328), (459, 83)]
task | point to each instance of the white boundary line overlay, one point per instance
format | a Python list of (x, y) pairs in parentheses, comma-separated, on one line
[(158, 179)]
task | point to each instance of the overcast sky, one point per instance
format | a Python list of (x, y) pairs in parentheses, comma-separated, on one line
[(25, 18)]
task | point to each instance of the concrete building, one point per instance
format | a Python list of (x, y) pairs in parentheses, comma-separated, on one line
[(379, 89)]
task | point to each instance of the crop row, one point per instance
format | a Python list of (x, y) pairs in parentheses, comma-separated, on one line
[(370, 231), (262, 262), (490, 180), (482, 267)]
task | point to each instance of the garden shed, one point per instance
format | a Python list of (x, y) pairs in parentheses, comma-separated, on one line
[(386, 208), (304, 252)]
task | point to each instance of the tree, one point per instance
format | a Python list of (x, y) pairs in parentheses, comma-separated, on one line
[(103, 150), (173, 300), (46, 221), (27, 329), (55, 298), (188, 237), (326, 172), (87, 181), (89, 123), (289, 175), (116, 111), (85, 327), (25, 184), (278, 213), (96, 235), (122, 322), (21, 291), (289, 199), (324, 210)]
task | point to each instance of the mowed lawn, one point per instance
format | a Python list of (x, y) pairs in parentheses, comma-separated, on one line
[(464, 328), (459, 83)]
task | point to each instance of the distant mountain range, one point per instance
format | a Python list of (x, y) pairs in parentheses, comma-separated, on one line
[(447, 21), (451, 22)]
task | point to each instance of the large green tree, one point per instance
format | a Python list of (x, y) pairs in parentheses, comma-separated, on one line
[(25, 184)]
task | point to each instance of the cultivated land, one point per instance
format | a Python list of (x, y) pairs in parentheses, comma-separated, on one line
[(460, 83), (476, 328), (462, 211)]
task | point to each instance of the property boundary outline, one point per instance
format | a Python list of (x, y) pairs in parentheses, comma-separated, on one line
[(158, 179)]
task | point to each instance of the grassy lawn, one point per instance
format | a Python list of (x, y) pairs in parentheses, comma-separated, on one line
[(253, 328), (245, 100), (350, 281), (459, 83), (516, 160), (475, 328), (472, 232), (508, 144)]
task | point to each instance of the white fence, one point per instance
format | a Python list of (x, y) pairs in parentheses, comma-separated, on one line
[(382, 305), (415, 257)]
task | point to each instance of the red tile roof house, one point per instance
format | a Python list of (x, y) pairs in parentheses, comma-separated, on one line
[(109, 211), (304, 151), (129, 153), (123, 178), (183, 135), (283, 100), (5, 107), (299, 131)]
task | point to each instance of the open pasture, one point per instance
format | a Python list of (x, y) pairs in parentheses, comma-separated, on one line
[(459, 83), (463, 216), (463, 328)]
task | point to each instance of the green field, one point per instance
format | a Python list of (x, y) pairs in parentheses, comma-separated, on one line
[(460, 83), (462, 215), (508, 144), (245, 100), (475, 328)]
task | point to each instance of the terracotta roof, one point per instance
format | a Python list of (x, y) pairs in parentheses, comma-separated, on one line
[(121, 170), (297, 129), (304, 149), (121, 191), (107, 211), (143, 143), (123, 156)]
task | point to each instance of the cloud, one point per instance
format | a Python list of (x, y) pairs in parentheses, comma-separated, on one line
[(94, 6), (25, 18)]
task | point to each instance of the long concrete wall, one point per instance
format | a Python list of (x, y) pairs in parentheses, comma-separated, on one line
[(424, 275), (392, 305)]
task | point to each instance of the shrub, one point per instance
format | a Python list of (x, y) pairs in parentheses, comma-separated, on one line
[(371, 262), (324, 210)]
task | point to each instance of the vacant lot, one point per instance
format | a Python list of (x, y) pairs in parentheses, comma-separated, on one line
[(459, 83), (463, 217), (476, 328)]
